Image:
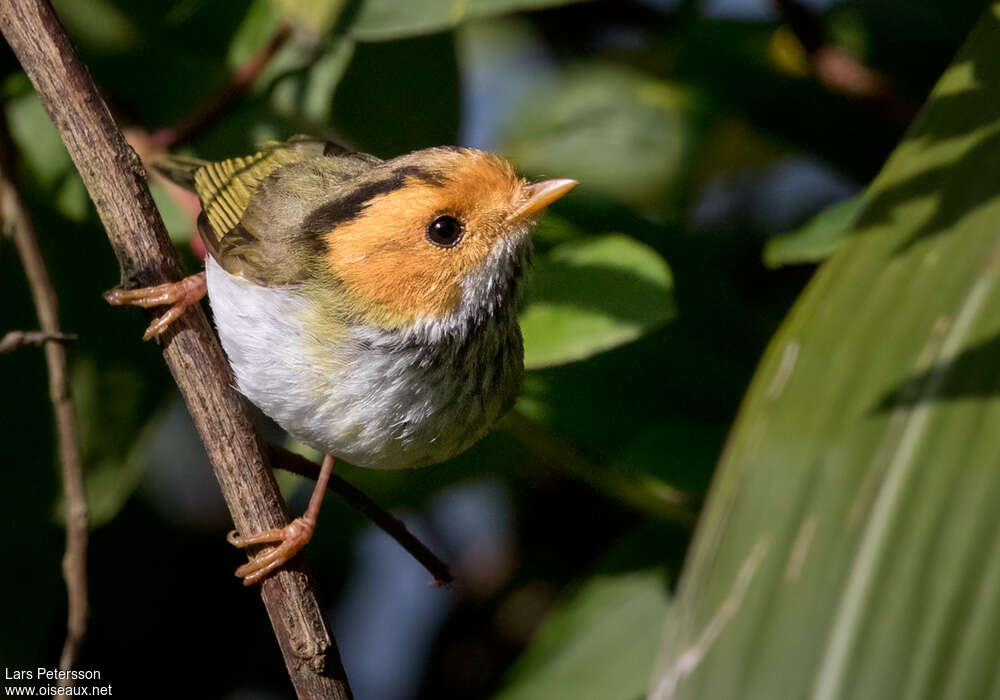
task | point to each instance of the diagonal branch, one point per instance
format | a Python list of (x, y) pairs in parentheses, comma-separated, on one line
[(192, 126), (18, 224), (116, 181)]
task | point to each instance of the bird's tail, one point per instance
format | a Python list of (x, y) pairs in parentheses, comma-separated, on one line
[(180, 169)]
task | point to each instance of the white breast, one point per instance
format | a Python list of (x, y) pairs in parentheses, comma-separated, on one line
[(372, 398)]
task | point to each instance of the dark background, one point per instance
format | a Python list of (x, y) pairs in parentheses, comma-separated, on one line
[(697, 129)]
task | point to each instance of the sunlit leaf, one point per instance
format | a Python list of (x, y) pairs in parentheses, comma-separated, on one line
[(389, 19), (599, 643), (849, 546), (259, 24), (591, 295), (817, 239), (179, 223), (308, 82), (319, 16)]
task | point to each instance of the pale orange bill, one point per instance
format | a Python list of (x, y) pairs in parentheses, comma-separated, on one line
[(539, 195)]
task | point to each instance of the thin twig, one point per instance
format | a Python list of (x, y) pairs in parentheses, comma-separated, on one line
[(152, 146), (189, 128), (839, 71), (388, 523), (15, 340), (74, 564), (116, 182)]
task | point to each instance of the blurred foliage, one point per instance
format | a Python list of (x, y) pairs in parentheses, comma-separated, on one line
[(848, 548), (391, 19), (621, 133), (593, 294), (645, 316), (817, 239), (602, 623)]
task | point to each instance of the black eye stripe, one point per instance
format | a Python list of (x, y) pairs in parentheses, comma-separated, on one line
[(351, 205), (445, 231)]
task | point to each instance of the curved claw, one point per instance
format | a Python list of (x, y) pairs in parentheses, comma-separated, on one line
[(292, 538), (179, 295)]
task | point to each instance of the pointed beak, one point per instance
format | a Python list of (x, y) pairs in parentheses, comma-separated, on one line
[(539, 195)]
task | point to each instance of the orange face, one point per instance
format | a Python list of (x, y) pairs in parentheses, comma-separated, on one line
[(431, 220)]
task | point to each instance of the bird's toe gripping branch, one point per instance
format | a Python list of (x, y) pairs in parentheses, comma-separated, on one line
[(292, 537), (178, 295)]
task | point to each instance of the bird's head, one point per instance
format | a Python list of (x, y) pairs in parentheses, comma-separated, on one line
[(439, 235)]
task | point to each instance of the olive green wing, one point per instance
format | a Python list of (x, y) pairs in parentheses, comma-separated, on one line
[(249, 220)]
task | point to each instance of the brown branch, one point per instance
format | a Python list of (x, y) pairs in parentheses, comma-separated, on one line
[(189, 128), (74, 565), (388, 523), (116, 181), (839, 71), (15, 340)]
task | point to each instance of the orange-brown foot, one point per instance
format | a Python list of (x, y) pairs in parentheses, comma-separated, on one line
[(292, 537), (178, 295)]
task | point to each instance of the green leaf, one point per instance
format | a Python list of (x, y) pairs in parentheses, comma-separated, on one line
[(617, 131), (390, 19), (849, 547), (259, 25), (307, 84), (111, 481), (627, 480), (46, 157), (598, 643), (178, 222), (117, 422), (817, 239), (591, 295), (38, 141), (317, 15), (98, 23)]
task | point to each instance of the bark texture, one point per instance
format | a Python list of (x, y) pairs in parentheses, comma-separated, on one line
[(116, 181)]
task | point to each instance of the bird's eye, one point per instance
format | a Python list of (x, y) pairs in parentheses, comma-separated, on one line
[(445, 231)]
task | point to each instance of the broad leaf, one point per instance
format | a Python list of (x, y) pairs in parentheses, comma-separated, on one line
[(594, 294), (309, 80), (817, 239), (319, 16), (390, 19), (259, 24), (849, 547), (46, 157), (619, 132), (600, 641), (117, 419)]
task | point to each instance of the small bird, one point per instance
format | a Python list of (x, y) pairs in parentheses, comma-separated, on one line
[(368, 306)]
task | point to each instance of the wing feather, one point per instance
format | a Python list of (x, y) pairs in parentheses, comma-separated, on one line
[(260, 247)]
